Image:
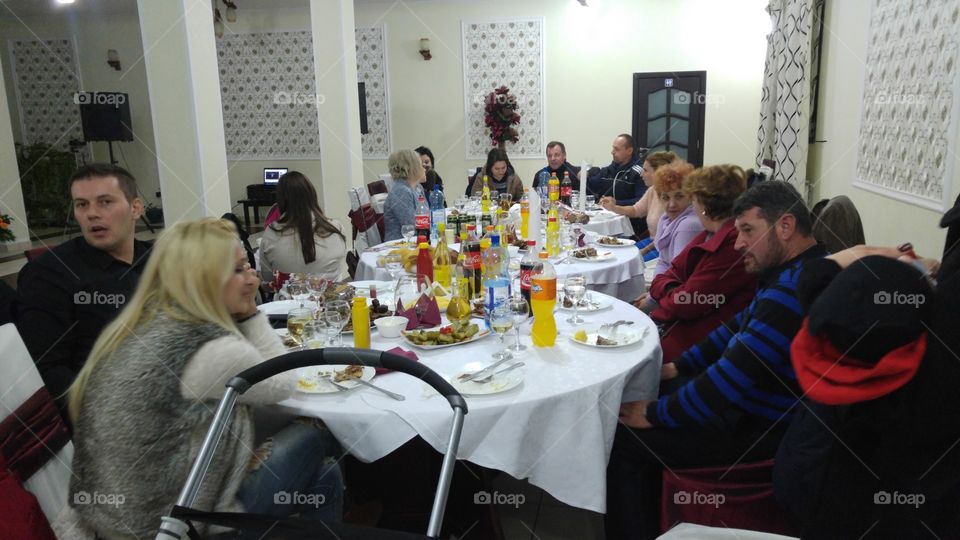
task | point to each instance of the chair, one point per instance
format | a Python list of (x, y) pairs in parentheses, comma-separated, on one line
[(33, 437), (32, 254), (744, 493), (376, 187)]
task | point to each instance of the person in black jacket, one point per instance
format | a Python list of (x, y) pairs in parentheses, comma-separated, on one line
[(557, 164), (622, 179)]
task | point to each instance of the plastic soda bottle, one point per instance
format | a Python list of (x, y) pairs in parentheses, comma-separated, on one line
[(525, 214), (543, 298), (553, 232), (438, 214), (553, 188), (485, 196), (421, 219)]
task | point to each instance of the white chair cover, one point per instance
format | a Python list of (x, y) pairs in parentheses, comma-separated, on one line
[(689, 531)]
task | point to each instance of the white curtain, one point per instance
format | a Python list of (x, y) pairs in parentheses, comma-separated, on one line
[(787, 95)]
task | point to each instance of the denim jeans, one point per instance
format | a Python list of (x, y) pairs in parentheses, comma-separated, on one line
[(298, 476)]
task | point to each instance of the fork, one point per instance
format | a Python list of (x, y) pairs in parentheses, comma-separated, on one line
[(486, 379), (329, 378), (613, 326)]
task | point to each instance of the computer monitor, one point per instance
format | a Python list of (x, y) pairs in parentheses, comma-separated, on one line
[(271, 176)]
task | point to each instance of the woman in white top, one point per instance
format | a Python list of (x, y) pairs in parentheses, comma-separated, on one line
[(303, 240)]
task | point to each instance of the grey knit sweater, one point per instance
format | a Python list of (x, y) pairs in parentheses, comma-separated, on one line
[(145, 412)]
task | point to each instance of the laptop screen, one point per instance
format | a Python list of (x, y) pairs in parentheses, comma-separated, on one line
[(272, 176)]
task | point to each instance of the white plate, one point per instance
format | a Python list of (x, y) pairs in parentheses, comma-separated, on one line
[(280, 307), (625, 336), (381, 286), (309, 381), (484, 332), (596, 301), (623, 243), (602, 256), (499, 383)]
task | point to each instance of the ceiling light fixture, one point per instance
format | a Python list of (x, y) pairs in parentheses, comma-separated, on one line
[(583, 3), (64, 2)]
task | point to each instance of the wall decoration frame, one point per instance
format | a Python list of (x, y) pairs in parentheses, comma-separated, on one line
[(372, 70), (911, 102), (46, 79), (269, 97), (504, 52)]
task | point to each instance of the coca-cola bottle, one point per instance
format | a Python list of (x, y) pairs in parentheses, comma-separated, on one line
[(472, 264), (421, 219), (527, 265), (566, 189)]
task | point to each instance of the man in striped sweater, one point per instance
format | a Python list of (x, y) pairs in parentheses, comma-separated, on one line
[(727, 399)]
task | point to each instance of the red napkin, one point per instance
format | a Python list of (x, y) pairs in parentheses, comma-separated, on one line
[(279, 278), (425, 314), (410, 355)]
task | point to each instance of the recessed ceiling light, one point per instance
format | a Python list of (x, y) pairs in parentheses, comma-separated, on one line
[(66, 1)]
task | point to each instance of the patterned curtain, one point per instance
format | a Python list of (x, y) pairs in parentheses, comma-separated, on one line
[(787, 90)]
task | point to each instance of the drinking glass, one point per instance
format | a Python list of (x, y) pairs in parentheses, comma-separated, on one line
[(501, 321), (298, 290), (315, 333), (520, 311), (394, 265), (506, 201), (568, 243), (297, 319), (591, 202), (407, 231), (334, 325), (575, 287)]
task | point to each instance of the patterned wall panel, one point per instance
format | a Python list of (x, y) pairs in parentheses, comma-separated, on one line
[(46, 79), (372, 70), (506, 53), (908, 129), (267, 86)]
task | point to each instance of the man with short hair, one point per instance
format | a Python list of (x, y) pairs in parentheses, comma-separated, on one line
[(66, 296), (733, 392), (557, 164), (622, 179)]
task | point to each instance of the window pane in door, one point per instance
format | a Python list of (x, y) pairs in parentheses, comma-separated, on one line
[(657, 103), (656, 131), (680, 131), (680, 151), (680, 102)]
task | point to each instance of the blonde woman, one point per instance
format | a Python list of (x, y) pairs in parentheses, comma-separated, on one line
[(145, 397), (649, 206), (400, 208)]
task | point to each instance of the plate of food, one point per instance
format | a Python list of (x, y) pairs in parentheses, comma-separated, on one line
[(316, 379), (444, 336), (607, 339), (500, 382), (589, 254), (614, 242), (589, 303), (377, 311)]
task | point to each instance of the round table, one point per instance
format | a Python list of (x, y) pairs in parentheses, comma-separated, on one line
[(620, 277), (556, 428), (602, 221)]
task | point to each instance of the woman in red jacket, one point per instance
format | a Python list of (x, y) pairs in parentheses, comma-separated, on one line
[(707, 283)]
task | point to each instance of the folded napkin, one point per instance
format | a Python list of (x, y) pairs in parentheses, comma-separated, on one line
[(425, 314), (410, 355), (279, 278)]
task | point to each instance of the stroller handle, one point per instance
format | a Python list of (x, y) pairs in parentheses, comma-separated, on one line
[(342, 355)]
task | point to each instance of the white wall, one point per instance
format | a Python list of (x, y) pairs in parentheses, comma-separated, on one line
[(94, 35), (832, 164)]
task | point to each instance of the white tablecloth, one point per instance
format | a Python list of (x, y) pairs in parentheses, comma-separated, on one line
[(620, 277), (609, 224), (555, 429)]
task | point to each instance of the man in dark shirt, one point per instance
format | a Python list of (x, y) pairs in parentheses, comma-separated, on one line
[(732, 393), (66, 296), (557, 164), (622, 179)]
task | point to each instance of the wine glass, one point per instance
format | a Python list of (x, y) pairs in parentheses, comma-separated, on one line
[(314, 333), (334, 325), (575, 287), (568, 241), (520, 311), (297, 319), (407, 291), (407, 231), (394, 265), (342, 310), (501, 321), (298, 290)]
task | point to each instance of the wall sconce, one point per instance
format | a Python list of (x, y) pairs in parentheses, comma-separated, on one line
[(218, 28), (113, 59), (231, 10), (425, 49)]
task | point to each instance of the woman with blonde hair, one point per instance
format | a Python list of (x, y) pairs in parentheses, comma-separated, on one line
[(147, 394), (400, 208)]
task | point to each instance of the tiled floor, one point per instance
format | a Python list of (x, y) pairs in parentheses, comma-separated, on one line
[(541, 517)]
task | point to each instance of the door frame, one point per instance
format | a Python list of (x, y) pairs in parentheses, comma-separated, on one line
[(697, 110)]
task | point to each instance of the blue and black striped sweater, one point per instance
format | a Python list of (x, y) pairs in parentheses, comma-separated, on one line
[(744, 363)]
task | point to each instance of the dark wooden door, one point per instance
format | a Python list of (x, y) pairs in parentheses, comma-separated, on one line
[(668, 112)]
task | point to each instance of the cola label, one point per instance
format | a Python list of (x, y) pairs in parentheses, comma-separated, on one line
[(525, 274), (422, 221), (566, 191), (472, 259)]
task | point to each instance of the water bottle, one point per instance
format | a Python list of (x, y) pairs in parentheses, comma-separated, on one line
[(438, 213)]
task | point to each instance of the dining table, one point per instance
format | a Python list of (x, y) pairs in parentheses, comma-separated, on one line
[(551, 421)]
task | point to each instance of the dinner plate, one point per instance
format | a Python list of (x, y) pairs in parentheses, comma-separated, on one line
[(625, 336), (497, 384), (364, 285), (309, 380), (602, 256), (621, 242), (484, 332), (280, 307), (591, 302)]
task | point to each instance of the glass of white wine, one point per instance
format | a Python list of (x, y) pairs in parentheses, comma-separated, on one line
[(575, 287), (501, 321), (297, 319)]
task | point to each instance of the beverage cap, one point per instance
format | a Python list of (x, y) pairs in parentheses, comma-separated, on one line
[(471, 227), (531, 243), (495, 240), (423, 245), (489, 227), (552, 218), (441, 226), (543, 254)]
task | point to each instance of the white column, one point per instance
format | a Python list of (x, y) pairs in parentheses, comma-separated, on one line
[(335, 63), (183, 79), (11, 194)]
